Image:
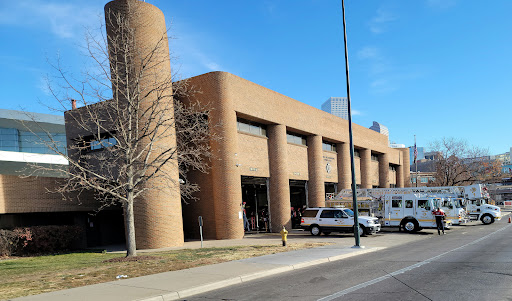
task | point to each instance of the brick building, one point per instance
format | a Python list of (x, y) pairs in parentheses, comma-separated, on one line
[(278, 153), (275, 154)]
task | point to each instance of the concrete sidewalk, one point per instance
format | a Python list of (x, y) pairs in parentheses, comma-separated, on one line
[(181, 284)]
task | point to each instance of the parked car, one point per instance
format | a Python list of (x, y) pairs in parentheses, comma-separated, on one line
[(328, 220)]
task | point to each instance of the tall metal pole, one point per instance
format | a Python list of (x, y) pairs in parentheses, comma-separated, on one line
[(416, 159), (352, 163)]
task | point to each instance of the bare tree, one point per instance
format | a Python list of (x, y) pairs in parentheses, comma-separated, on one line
[(457, 163), (127, 115)]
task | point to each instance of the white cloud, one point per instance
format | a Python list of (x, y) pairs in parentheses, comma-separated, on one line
[(64, 20), (356, 113), (368, 53), (378, 24)]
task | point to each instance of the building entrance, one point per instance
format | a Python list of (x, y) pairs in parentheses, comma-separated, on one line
[(330, 189), (298, 200), (255, 203)]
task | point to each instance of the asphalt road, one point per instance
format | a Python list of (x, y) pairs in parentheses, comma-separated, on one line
[(473, 262)]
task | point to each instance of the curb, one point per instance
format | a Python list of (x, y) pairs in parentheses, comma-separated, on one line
[(176, 295)]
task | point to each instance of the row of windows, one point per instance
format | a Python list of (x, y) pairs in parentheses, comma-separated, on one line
[(326, 146), (422, 180), (250, 127), (296, 138), (23, 141)]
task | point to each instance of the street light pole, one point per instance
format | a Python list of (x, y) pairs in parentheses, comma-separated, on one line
[(352, 163)]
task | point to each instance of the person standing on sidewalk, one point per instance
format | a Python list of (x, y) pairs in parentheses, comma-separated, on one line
[(440, 215)]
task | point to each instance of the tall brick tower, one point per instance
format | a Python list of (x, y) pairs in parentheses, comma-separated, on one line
[(158, 216)]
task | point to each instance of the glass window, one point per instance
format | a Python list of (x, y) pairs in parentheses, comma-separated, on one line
[(327, 214), (339, 214), (408, 203), (329, 146), (396, 203), (356, 153), (375, 157), (424, 204), (251, 127), (309, 213), (296, 139), (424, 180)]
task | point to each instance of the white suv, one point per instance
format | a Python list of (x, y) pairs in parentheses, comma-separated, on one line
[(327, 220)]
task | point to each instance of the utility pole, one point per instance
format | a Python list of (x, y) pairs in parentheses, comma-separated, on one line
[(352, 164)]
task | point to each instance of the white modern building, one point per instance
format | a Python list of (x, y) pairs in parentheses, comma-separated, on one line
[(338, 106), (24, 139)]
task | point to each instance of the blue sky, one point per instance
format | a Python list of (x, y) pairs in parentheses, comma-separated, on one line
[(430, 68)]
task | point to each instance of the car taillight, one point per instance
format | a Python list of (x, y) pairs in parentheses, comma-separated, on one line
[(302, 220)]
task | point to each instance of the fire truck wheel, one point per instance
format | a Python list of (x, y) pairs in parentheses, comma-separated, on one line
[(410, 226), (487, 219), (327, 233), (315, 230)]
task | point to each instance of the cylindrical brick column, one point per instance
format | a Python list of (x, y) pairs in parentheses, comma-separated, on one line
[(157, 214), (383, 171), (279, 181), (406, 167), (366, 157), (227, 186), (316, 184), (343, 159), (399, 175)]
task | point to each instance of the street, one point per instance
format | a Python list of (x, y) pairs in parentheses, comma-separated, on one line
[(471, 262)]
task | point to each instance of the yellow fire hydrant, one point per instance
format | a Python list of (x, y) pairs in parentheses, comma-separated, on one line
[(284, 234)]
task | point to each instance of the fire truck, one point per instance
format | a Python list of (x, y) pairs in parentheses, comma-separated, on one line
[(411, 208)]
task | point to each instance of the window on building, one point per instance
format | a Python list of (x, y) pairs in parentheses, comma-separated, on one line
[(296, 138), (251, 127), (392, 185), (424, 180), (375, 157), (392, 167), (103, 143), (413, 180), (326, 146), (356, 153)]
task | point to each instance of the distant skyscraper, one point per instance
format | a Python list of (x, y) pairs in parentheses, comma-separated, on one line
[(337, 106), (379, 128)]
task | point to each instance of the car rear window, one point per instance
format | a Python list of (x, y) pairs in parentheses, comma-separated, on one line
[(309, 213)]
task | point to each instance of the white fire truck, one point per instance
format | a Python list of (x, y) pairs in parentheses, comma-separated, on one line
[(411, 212), (411, 208)]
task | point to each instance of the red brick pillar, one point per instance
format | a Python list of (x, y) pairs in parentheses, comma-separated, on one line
[(366, 157), (279, 181), (383, 171), (316, 185), (344, 168)]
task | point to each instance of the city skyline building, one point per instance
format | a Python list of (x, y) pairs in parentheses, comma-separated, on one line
[(380, 128), (337, 106)]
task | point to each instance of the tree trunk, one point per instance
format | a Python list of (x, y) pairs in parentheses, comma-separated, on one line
[(131, 248)]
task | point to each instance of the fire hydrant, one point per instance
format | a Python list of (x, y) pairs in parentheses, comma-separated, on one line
[(284, 234)]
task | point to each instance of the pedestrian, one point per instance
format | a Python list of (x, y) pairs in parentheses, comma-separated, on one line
[(440, 215), (247, 228)]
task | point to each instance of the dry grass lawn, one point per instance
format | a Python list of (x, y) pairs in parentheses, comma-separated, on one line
[(25, 276)]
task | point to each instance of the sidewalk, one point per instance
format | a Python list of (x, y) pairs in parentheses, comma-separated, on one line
[(184, 283)]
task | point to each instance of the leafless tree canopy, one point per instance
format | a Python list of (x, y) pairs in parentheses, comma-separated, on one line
[(460, 164), (127, 119)]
